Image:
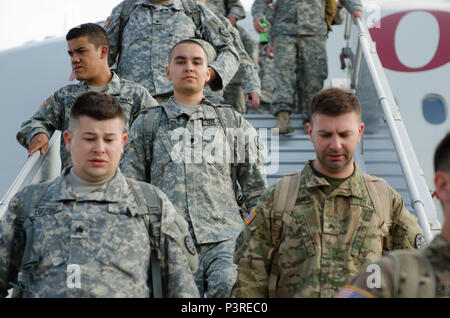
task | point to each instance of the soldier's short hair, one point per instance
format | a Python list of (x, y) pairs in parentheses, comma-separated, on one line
[(442, 155), (189, 41), (334, 101), (95, 33), (99, 106)]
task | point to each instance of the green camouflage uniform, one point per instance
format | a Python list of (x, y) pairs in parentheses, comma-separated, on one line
[(104, 233), (300, 33), (54, 113), (392, 281), (197, 182), (150, 34), (328, 239)]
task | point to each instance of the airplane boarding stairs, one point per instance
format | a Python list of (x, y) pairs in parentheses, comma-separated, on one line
[(385, 150)]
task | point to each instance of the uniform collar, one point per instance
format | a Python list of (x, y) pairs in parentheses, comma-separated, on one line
[(113, 88), (351, 187), (62, 191), (175, 4), (205, 111)]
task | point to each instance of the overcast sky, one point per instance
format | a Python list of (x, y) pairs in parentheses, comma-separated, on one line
[(24, 21)]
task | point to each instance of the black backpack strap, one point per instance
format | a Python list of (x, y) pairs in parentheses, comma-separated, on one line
[(150, 127)]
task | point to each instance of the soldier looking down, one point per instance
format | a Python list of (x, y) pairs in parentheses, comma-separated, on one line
[(316, 228), (92, 232)]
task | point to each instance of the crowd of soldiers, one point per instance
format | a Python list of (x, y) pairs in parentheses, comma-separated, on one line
[(150, 203)]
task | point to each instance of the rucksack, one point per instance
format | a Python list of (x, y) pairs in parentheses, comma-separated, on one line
[(284, 201), (413, 273), (227, 118), (24, 232), (189, 6)]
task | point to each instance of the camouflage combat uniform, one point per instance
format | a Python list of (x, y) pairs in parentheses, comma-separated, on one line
[(54, 113), (393, 283), (328, 238), (199, 182), (151, 32), (104, 233), (245, 81), (300, 33)]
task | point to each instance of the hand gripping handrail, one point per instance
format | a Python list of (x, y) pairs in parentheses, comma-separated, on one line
[(377, 74), (28, 172)]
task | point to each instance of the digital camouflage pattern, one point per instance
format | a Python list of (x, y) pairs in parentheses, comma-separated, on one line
[(54, 113), (231, 8), (188, 165), (393, 281), (266, 71), (328, 239), (150, 34), (195, 173), (104, 233), (300, 33)]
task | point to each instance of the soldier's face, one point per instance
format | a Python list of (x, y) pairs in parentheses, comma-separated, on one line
[(188, 69), (335, 140), (95, 147), (87, 61)]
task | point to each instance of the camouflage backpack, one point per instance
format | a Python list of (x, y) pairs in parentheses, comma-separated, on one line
[(285, 197), (413, 275), (24, 232)]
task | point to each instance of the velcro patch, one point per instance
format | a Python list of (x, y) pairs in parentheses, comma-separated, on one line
[(47, 101), (250, 217)]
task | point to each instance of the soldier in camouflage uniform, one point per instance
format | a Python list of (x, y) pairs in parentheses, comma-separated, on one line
[(333, 228), (153, 27), (298, 33), (91, 232), (407, 274), (247, 70), (88, 49), (195, 179)]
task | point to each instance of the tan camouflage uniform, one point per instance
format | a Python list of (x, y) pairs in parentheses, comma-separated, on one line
[(328, 239), (150, 34), (300, 33), (54, 114), (198, 183), (438, 256), (104, 233)]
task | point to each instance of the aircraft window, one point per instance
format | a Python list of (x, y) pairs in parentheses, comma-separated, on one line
[(434, 109)]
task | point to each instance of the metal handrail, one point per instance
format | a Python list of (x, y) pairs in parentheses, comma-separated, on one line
[(28, 172), (370, 58)]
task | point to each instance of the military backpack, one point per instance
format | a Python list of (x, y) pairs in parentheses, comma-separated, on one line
[(284, 202)]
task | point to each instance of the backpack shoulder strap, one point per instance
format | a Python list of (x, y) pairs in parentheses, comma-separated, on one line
[(151, 121), (192, 10), (152, 220), (25, 229), (380, 195), (124, 17), (283, 204), (413, 275)]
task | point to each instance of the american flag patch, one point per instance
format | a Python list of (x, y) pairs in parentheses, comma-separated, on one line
[(47, 101), (353, 292), (250, 217), (108, 21)]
